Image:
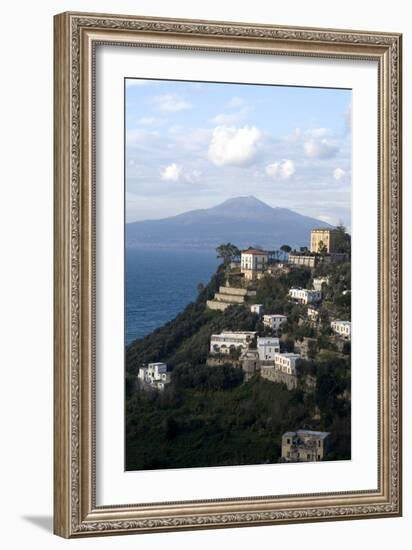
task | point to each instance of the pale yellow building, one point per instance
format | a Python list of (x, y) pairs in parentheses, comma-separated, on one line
[(326, 237), (305, 446)]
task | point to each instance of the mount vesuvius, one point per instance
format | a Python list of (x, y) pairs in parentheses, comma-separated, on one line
[(244, 221)]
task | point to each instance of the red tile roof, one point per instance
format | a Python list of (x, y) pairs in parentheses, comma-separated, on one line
[(254, 251)]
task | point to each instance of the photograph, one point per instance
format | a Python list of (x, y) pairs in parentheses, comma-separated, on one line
[(237, 301), (227, 273)]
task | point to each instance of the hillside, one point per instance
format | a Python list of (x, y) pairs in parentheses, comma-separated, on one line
[(208, 416), (243, 220)]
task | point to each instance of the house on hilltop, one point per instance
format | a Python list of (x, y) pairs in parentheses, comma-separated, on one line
[(274, 321), (305, 446), (253, 263), (267, 347), (305, 295), (154, 375), (318, 282), (302, 259), (326, 239), (343, 328), (286, 362), (257, 309), (228, 341)]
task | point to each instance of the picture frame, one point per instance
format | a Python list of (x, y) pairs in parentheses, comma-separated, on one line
[(76, 510)]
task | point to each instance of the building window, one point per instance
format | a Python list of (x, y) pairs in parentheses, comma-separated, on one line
[(288, 441)]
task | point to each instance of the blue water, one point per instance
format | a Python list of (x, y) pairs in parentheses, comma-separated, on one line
[(160, 283)]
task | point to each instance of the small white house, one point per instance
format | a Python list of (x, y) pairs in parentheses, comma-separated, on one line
[(319, 281), (227, 341), (267, 347), (274, 321), (154, 375), (343, 328), (257, 309), (305, 295), (313, 314), (286, 362)]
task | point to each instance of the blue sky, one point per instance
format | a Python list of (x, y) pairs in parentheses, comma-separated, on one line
[(193, 145)]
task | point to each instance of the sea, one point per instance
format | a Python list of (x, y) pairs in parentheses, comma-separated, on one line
[(160, 283)]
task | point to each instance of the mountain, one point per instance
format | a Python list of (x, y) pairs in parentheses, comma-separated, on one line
[(244, 221)]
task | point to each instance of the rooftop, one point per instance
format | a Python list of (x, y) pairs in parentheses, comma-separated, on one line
[(305, 289), (230, 333), (274, 315), (267, 340), (255, 252), (289, 355), (320, 435)]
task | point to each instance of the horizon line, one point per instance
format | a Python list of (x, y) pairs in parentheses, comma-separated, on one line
[(222, 202)]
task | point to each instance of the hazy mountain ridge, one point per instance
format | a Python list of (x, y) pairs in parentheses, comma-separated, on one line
[(244, 221)]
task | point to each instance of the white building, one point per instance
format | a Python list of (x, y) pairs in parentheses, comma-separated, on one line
[(343, 328), (257, 309), (154, 375), (305, 295), (313, 313), (286, 362), (253, 263), (319, 281), (227, 341), (267, 347), (274, 321)]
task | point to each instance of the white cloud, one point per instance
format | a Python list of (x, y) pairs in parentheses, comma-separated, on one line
[(339, 174), (171, 103), (319, 148), (295, 136), (175, 172), (318, 132), (284, 169), (231, 145), (171, 172)]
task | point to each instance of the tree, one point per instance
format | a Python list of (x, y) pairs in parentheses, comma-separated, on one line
[(286, 248), (342, 239), (227, 252), (322, 248)]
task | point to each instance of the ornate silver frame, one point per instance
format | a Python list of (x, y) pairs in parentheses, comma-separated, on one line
[(75, 510)]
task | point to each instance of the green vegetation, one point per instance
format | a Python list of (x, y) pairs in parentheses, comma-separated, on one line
[(227, 252), (208, 415), (197, 423)]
